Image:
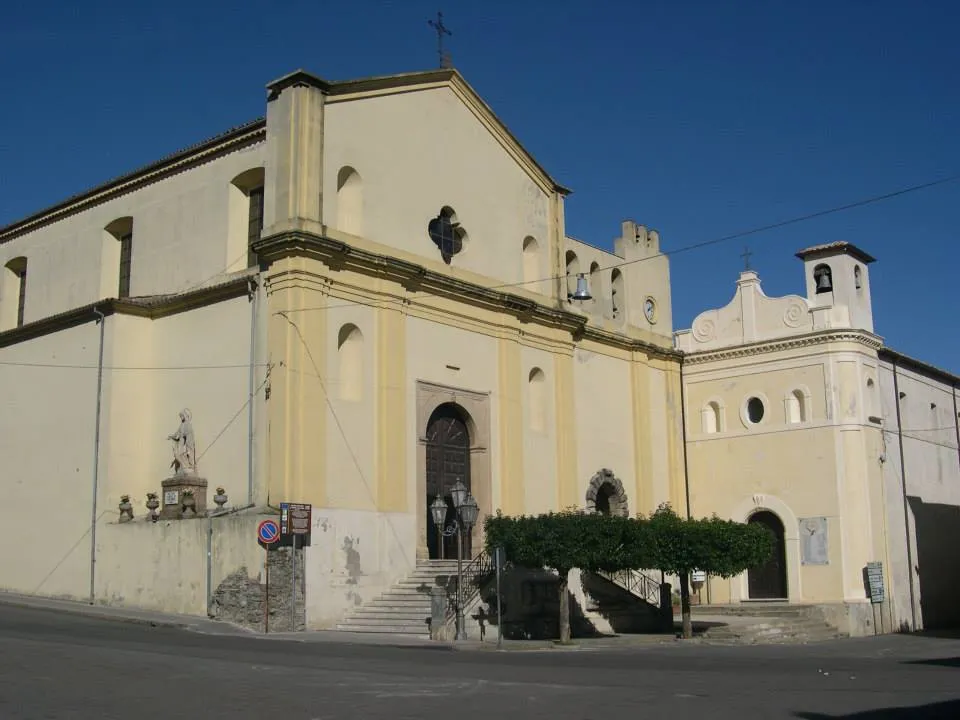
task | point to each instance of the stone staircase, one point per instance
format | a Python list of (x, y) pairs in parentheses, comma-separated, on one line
[(404, 609), (753, 624)]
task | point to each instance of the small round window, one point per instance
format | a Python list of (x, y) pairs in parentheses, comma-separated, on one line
[(755, 410)]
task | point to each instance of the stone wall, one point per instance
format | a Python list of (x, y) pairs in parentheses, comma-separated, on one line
[(241, 599)]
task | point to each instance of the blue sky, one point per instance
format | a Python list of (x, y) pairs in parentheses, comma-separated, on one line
[(699, 119)]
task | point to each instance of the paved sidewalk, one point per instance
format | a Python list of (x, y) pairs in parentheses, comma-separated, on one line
[(215, 627)]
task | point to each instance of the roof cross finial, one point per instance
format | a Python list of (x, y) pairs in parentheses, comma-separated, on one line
[(441, 30), (746, 257)]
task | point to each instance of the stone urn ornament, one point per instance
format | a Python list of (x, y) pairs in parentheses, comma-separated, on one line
[(220, 498), (188, 503), (126, 509), (152, 504)]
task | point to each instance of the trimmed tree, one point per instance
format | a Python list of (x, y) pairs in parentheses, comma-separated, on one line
[(718, 547), (570, 539)]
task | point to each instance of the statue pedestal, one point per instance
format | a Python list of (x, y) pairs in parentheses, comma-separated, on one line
[(173, 497)]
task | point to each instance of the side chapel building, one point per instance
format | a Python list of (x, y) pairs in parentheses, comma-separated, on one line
[(368, 296)]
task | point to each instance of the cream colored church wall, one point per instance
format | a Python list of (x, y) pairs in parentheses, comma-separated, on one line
[(604, 420), (416, 152), (789, 470), (47, 441), (538, 406), (181, 238)]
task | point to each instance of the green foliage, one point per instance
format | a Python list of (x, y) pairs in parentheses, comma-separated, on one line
[(719, 547), (597, 542), (570, 539)]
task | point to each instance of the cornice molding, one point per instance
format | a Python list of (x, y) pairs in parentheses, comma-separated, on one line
[(416, 278), (820, 337), (151, 307)]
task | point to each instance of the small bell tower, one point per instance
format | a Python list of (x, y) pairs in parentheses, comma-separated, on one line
[(838, 278)]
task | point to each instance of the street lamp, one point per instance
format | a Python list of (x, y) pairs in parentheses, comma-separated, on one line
[(466, 516)]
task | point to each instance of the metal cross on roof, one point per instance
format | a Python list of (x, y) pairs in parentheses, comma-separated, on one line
[(441, 30), (746, 257)]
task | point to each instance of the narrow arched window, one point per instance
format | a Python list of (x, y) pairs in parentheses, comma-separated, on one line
[(349, 201), (617, 293), (14, 293), (531, 262), (596, 283), (797, 407), (710, 418), (246, 216), (116, 257), (573, 269), (350, 361), (537, 399)]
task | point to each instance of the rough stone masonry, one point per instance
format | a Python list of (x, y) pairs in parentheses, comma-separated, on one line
[(241, 599)]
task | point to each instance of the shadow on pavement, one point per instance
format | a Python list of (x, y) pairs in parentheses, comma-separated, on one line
[(935, 711)]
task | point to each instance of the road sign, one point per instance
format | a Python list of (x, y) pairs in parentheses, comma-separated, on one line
[(268, 532), (296, 521)]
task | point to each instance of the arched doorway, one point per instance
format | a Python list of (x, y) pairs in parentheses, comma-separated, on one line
[(769, 581), (448, 460), (605, 494)]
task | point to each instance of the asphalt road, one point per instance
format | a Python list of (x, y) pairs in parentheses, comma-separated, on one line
[(59, 665)]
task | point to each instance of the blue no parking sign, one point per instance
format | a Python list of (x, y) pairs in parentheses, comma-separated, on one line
[(268, 532)]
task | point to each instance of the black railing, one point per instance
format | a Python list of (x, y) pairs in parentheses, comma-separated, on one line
[(474, 574), (636, 583)]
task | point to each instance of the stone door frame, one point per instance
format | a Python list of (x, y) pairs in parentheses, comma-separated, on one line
[(476, 411)]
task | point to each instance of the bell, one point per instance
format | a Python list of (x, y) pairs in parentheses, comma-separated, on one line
[(582, 292), (823, 282)]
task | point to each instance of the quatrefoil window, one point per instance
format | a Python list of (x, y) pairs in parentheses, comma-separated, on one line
[(447, 234)]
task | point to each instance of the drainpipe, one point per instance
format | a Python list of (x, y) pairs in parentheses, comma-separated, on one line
[(210, 517), (101, 321), (683, 437), (906, 508), (252, 296)]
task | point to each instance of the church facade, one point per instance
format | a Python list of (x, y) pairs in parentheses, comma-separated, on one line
[(795, 418), (359, 301)]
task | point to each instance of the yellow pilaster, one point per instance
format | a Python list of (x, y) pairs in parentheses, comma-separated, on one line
[(391, 411), (510, 384), (566, 433), (297, 408), (642, 447), (675, 455)]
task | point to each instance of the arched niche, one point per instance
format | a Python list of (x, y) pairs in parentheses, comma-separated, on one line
[(605, 493)]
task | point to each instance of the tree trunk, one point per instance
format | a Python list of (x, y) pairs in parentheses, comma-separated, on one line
[(685, 604), (564, 609)]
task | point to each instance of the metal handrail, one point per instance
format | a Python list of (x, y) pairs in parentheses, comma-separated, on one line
[(473, 574), (636, 583)]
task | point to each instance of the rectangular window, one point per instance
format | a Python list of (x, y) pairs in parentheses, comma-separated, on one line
[(255, 224), (126, 255), (21, 302)]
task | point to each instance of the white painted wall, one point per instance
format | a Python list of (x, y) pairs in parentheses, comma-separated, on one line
[(932, 482)]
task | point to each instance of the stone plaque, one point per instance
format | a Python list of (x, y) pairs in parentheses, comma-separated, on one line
[(171, 497), (813, 541)]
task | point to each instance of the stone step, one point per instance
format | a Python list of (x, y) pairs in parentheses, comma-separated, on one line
[(386, 628)]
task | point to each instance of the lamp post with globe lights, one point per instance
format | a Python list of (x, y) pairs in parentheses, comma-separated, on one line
[(466, 516)]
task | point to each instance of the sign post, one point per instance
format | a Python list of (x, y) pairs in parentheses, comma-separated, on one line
[(499, 559), (268, 534), (876, 588), (296, 520)]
